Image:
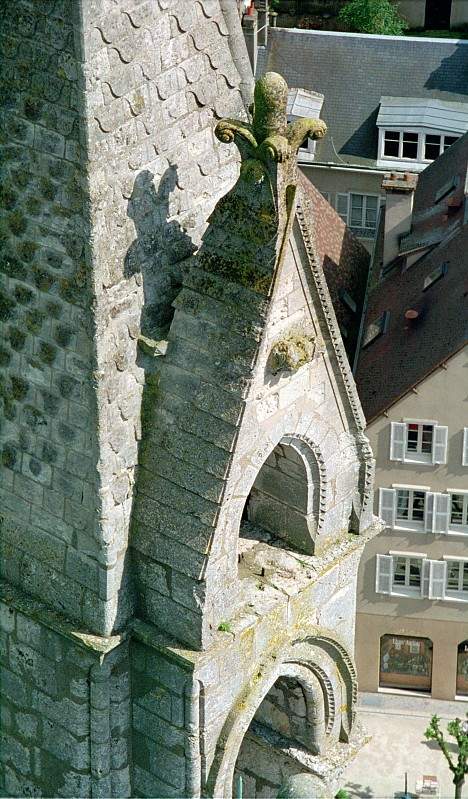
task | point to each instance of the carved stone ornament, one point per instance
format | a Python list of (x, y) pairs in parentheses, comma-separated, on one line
[(269, 137), (291, 352)]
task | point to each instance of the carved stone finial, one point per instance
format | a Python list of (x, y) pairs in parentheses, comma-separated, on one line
[(269, 137)]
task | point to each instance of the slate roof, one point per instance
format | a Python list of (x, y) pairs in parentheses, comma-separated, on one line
[(410, 350), (353, 71)]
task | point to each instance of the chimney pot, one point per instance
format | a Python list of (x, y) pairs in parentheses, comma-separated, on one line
[(411, 313)]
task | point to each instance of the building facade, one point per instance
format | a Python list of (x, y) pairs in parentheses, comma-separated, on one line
[(164, 383), (390, 102), (411, 373)]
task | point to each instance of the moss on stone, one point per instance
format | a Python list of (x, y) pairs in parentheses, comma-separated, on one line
[(47, 352), (21, 177), (48, 189), (63, 335), (9, 456), (17, 338), (54, 309), (17, 223), (7, 197), (19, 388), (51, 401), (7, 306), (27, 250), (5, 356), (23, 295), (49, 453), (32, 107), (42, 279), (12, 267), (67, 386), (9, 409), (34, 320), (33, 417), (33, 206)]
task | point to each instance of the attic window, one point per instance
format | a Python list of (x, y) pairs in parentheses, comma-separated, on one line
[(376, 329), (436, 144), (347, 300), (435, 275)]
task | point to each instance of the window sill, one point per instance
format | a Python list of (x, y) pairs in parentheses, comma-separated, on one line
[(408, 593), (462, 531), (403, 692), (449, 597), (422, 460), (409, 528)]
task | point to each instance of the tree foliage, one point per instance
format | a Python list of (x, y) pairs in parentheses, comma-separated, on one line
[(458, 729), (372, 16)]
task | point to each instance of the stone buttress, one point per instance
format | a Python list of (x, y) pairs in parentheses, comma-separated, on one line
[(254, 501), (109, 170)]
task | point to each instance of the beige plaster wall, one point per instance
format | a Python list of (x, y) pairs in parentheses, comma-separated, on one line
[(445, 637), (442, 398)]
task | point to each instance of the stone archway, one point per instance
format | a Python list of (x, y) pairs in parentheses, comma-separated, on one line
[(321, 670), (285, 498)]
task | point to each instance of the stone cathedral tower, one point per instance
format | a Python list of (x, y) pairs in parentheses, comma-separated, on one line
[(186, 628)]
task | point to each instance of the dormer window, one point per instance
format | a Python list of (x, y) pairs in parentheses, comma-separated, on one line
[(400, 144), (413, 132), (375, 329), (435, 145)]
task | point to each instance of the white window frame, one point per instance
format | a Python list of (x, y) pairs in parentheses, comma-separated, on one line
[(418, 163), (410, 523), (442, 146), (458, 529), (433, 576), (398, 589), (460, 594), (399, 443), (363, 224), (417, 455), (346, 217)]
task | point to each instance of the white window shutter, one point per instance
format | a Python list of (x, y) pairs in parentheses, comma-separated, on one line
[(441, 513), (429, 512), (397, 441), (425, 577), (437, 579), (384, 574), (439, 449), (465, 442), (387, 505)]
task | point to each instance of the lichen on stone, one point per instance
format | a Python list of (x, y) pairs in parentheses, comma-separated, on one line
[(291, 352)]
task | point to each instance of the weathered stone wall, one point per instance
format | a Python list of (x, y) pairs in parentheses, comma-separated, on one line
[(109, 172), (65, 714), (289, 613)]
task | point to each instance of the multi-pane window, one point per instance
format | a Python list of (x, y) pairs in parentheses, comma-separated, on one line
[(457, 575), (401, 144), (414, 145), (358, 210), (435, 145), (410, 505), (407, 572), (458, 510), (363, 211), (419, 438)]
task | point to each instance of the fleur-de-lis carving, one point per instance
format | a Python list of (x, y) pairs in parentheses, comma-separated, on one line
[(269, 137)]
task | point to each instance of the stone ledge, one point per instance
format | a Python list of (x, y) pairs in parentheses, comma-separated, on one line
[(36, 610)]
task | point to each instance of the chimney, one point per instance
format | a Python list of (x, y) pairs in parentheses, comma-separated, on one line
[(399, 189), (250, 29)]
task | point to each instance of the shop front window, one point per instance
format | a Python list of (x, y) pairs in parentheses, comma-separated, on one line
[(462, 669), (405, 663)]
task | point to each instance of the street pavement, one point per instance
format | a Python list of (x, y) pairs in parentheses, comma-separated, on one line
[(396, 723)]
